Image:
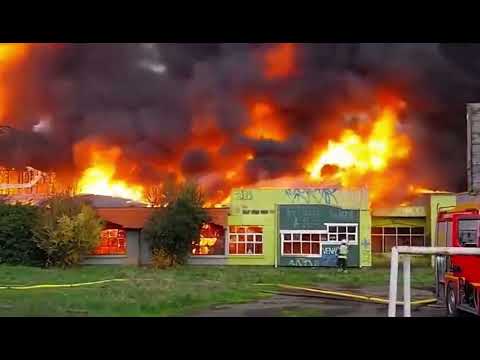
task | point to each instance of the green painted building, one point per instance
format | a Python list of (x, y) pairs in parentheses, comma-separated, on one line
[(413, 225), (304, 226), (295, 227)]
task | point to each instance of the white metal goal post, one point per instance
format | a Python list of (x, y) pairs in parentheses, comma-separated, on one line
[(406, 252)]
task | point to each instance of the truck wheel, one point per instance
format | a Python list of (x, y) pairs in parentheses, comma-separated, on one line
[(451, 301)]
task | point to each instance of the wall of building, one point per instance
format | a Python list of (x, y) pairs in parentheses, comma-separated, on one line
[(437, 203), (398, 222), (315, 217), (132, 257), (267, 221), (365, 240), (263, 207), (145, 251)]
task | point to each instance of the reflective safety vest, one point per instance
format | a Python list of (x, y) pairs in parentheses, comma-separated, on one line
[(343, 252)]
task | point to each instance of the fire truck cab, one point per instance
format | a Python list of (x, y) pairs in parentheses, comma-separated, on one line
[(458, 277)]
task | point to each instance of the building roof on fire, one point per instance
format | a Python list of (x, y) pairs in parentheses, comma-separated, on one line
[(101, 201), (130, 218), (136, 217)]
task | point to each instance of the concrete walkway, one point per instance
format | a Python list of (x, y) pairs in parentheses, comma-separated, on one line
[(280, 305)]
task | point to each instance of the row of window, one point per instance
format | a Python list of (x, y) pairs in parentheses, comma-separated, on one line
[(308, 242), (248, 240), (384, 238)]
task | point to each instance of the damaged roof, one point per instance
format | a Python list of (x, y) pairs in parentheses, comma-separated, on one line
[(136, 217)]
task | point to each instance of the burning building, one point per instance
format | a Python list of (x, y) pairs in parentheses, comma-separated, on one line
[(28, 185), (121, 120), (117, 119), (122, 241)]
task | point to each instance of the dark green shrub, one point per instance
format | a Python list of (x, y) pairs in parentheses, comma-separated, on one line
[(16, 235), (171, 230)]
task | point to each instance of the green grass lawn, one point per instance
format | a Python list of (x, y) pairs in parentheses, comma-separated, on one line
[(178, 291)]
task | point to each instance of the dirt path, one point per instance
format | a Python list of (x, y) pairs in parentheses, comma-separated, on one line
[(279, 305)]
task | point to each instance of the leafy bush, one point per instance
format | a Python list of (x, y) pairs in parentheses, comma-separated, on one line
[(17, 223), (68, 231), (160, 259), (170, 232)]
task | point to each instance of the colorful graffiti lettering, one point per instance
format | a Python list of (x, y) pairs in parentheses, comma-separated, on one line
[(244, 195), (326, 196)]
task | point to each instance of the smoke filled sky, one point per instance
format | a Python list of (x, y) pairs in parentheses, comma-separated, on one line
[(230, 114)]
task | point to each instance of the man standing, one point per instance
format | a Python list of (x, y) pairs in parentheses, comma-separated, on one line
[(342, 256)]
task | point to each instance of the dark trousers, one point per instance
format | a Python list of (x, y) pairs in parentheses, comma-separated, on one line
[(342, 263)]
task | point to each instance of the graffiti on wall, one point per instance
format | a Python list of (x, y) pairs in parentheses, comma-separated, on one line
[(305, 262), (330, 251), (325, 196), (365, 252)]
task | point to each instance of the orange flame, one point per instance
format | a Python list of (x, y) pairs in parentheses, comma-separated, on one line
[(99, 178), (9, 54), (264, 123), (207, 241), (280, 61), (353, 160), (417, 190)]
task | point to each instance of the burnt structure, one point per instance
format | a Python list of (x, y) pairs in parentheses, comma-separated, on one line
[(26, 185)]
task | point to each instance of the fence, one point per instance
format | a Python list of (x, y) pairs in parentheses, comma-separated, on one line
[(407, 251)]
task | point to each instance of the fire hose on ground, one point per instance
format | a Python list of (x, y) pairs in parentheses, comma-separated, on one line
[(54, 286), (340, 295)]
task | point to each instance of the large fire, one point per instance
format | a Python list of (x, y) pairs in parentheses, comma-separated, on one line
[(369, 155), (99, 177), (265, 123), (280, 61), (9, 54), (211, 240), (354, 160), (418, 190)]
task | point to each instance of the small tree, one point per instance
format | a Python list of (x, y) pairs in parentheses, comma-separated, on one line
[(172, 230), (163, 194), (154, 195), (17, 223), (67, 232)]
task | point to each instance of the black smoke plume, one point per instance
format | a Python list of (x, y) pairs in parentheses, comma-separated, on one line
[(145, 98)]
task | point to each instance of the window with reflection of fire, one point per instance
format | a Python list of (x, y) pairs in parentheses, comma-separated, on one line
[(386, 237), (112, 242), (211, 242), (245, 240)]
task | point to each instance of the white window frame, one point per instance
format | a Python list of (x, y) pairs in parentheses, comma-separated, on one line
[(300, 232), (337, 242), (227, 249)]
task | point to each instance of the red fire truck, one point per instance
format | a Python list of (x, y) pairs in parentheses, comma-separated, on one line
[(458, 277)]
